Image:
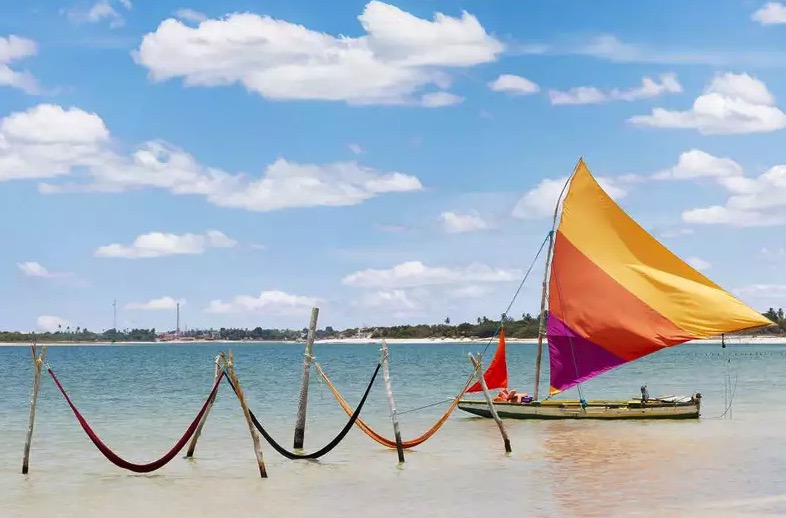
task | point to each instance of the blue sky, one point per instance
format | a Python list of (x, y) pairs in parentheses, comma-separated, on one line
[(390, 162)]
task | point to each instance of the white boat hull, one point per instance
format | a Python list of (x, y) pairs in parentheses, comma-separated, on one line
[(670, 407)]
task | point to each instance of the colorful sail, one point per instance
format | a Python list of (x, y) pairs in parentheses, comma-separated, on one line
[(496, 376), (617, 294)]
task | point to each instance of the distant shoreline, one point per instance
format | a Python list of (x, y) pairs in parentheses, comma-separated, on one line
[(754, 339)]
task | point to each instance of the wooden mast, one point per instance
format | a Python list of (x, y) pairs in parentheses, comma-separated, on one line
[(544, 290)]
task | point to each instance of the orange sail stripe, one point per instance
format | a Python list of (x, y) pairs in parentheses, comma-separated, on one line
[(496, 376), (599, 309), (618, 245)]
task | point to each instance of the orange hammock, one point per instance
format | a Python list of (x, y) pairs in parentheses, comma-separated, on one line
[(384, 441)]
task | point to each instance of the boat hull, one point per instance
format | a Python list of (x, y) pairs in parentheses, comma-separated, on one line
[(686, 407)]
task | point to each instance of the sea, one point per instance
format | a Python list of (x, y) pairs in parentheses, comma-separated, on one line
[(141, 398)]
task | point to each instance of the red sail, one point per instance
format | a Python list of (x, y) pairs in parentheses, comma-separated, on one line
[(496, 375)]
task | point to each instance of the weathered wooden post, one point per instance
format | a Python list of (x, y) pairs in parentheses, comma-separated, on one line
[(38, 363), (479, 372), (391, 401), (230, 367), (191, 447), (300, 423)]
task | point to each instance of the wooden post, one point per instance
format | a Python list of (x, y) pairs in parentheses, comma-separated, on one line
[(300, 423), (391, 401), (191, 447), (479, 372), (230, 366), (38, 363)]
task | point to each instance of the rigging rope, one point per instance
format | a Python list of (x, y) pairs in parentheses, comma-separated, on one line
[(384, 441), (518, 290), (332, 444), (116, 459)]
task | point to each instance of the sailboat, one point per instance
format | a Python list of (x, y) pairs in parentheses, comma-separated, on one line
[(615, 295)]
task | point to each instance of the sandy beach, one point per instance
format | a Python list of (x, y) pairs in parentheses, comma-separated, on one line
[(759, 340)]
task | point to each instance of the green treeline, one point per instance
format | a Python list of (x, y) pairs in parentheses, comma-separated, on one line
[(524, 327)]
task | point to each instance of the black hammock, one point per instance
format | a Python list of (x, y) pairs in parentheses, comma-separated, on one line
[(332, 444)]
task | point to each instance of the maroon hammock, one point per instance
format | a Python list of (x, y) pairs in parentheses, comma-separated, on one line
[(122, 463)]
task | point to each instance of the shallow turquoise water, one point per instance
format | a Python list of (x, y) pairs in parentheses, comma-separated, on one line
[(141, 398)]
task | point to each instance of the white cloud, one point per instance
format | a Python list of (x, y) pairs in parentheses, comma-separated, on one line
[(160, 304), (397, 57), (355, 148), (731, 104), (47, 141), (34, 269), (395, 300), (14, 48), (440, 99), (698, 263), (540, 201), (753, 201), (515, 85), (454, 223), (591, 95), (272, 302), (698, 164), (48, 323), (190, 15), (159, 244), (771, 13), (415, 273), (97, 12)]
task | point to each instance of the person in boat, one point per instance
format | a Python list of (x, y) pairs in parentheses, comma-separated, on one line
[(511, 396), (645, 394)]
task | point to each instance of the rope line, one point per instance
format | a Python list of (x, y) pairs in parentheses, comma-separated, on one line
[(116, 459), (423, 407), (327, 448), (379, 438), (518, 290)]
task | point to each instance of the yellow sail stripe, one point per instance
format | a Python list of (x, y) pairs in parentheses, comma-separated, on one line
[(611, 239)]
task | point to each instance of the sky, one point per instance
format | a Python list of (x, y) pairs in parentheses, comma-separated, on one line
[(387, 162)]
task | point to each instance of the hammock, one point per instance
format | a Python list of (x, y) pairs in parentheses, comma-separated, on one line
[(384, 441), (332, 444), (122, 463)]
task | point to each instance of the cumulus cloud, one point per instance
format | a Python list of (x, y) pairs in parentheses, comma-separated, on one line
[(440, 99), (160, 304), (771, 13), (540, 201), (649, 88), (695, 163), (34, 269), (752, 201), (513, 84), (50, 324), (274, 302), (159, 244), (13, 48), (398, 57), (415, 273), (98, 12), (455, 223), (730, 104), (49, 141)]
